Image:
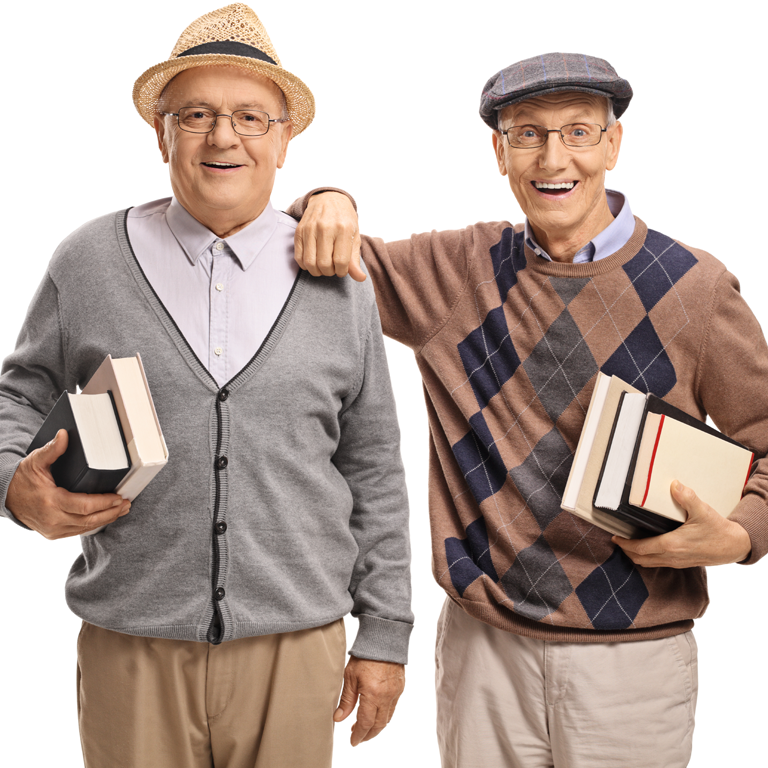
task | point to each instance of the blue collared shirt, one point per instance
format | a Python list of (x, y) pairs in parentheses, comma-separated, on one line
[(614, 236)]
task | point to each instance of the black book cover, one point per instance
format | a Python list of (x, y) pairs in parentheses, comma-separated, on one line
[(658, 523), (71, 471)]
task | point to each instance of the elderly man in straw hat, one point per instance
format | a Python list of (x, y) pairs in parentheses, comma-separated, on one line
[(213, 630), (561, 644)]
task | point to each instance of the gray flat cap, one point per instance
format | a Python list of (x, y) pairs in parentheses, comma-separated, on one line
[(552, 73)]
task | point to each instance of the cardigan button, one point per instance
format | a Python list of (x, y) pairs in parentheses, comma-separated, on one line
[(221, 462), (219, 593), (223, 395), (220, 528)]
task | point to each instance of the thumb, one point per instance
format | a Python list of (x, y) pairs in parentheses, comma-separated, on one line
[(347, 701), (355, 272), (686, 498), (51, 451)]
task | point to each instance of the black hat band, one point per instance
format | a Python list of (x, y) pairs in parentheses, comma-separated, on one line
[(230, 48)]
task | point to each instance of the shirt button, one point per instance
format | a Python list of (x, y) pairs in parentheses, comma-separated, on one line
[(223, 395), (219, 286), (221, 462), (219, 246), (220, 528), (218, 351), (219, 593)]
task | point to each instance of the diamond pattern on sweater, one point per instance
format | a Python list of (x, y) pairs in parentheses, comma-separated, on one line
[(568, 288), (660, 263), (541, 478), (470, 558), (528, 372), (642, 361), (479, 459), (508, 257), (560, 365), (536, 582), (613, 593), (488, 356)]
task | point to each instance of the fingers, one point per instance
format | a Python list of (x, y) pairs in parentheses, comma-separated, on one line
[(327, 237), (348, 699), (84, 504), (371, 720)]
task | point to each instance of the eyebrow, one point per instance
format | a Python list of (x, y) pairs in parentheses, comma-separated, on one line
[(243, 105)]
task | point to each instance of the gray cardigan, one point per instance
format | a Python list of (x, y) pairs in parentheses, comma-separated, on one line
[(297, 455)]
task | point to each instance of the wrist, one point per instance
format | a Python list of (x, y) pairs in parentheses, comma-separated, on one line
[(742, 544)]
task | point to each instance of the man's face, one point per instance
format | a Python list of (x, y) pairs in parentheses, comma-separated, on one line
[(572, 212), (240, 191)]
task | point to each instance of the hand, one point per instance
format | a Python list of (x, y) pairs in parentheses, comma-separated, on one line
[(327, 240), (53, 512), (705, 538), (378, 684)]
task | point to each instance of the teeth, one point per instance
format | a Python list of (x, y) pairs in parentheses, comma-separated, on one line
[(561, 185), (223, 165)]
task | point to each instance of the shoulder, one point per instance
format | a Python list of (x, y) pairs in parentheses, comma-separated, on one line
[(284, 220), (676, 259), (94, 240)]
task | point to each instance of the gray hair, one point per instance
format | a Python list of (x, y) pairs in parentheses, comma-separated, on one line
[(610, 116)]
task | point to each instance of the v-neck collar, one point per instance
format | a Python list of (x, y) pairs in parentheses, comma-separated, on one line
[(270, 341)]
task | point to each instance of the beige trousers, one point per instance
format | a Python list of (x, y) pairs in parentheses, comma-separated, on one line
[(505, 701), (257, 702)]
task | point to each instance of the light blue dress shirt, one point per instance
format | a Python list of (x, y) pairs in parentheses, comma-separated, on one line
[(614, 236)]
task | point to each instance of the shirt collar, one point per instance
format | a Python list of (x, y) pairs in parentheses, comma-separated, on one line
[(611, 239), (195, 238)]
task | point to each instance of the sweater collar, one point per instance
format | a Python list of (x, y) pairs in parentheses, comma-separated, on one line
[(610, 240), (196, 239)]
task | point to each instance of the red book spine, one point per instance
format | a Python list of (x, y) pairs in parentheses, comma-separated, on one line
[(653, 458)]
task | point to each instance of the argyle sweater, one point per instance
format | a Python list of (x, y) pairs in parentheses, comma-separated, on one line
[(509, 347)]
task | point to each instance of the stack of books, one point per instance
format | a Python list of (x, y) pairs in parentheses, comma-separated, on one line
[(115, 440), (632, 447)]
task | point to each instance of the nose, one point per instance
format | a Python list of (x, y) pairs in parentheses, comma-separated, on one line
[(223, 134), (554, 155)]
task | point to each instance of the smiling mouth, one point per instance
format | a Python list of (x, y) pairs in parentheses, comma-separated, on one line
[(221, 165), (556, 189)]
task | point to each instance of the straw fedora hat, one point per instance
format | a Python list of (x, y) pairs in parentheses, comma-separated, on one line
[(233, 36)]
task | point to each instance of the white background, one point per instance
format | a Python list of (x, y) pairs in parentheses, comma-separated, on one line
[(397, 87)]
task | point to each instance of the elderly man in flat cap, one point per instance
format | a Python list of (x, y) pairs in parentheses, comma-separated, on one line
[(213, 609), (560, 644)]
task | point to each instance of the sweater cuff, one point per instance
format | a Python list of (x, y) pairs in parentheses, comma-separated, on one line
[(298, 207), (751, 514), (8, 465), (382, 640)]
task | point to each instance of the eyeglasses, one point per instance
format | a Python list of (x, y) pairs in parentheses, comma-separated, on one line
[(573, 135), (245, 122)]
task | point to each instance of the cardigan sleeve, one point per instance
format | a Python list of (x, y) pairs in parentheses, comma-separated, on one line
[(33, 376), (733, 388), (417, 281), (368, 457)]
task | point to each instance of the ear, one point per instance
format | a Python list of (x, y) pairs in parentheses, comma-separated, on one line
[(287, 133), (499, 151), (613, 134), (159, 124)]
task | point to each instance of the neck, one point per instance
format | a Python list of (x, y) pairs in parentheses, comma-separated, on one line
[(563, 245), (226, 223)]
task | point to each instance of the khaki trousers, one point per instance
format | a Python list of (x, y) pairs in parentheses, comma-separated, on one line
[(258, 702), (505, 701)]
